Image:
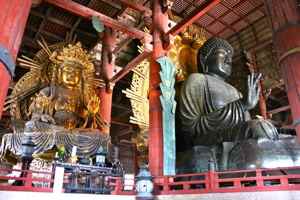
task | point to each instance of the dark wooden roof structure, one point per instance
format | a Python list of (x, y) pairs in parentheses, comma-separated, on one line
[(242, 22)]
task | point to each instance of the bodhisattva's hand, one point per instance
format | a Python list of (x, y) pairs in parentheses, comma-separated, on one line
[(253, 91)]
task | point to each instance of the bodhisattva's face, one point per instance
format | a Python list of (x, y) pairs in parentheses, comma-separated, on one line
[(219, 63), (71, 76)]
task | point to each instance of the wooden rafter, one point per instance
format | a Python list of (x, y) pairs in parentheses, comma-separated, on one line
[(179, 14), (136, 6), (254, 48), (278, 110), (44, 22), (227, 12), (61, 23), (198, 12), (52, 35), (194, 16), (76, 24), (238, 14), (86, 12), (243, 18), (223, 23), (252, 26), (130, 66), (124, 42), (112, 3)]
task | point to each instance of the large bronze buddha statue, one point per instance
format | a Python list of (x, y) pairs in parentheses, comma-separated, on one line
[(211, 110), (213, 116)]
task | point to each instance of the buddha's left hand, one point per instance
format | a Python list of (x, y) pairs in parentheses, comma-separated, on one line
[(253, 91)]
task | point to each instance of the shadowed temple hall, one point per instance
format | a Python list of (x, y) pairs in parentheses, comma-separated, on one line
[(150, 99)]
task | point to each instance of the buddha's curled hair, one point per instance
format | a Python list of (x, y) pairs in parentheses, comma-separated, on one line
[(209, 47)]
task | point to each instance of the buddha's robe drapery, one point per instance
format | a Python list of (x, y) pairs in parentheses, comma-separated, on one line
[(211, 112)]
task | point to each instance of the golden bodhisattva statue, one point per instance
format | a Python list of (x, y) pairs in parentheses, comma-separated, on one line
[(57, 101), (69, 98)]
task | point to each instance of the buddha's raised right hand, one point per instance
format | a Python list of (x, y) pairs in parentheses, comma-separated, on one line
[(251, 99)]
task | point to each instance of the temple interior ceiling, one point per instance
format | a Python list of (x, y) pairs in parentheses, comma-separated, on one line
[(242, 22)]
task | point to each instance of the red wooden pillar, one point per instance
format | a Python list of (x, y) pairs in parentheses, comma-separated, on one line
[(13, 17), (159, 25), (285, 20), (107, 61)]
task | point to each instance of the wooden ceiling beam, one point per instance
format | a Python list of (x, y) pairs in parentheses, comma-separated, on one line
[(262, 9), (224, 24), (54, 36), (136, 6), (52, 19), (243, 18), (88, 13), (215, 19), (124, 43), (236, 13), (194, 16), (278, 110), (61, 23), (208, 31), (76, 24), (112, 4), (132, 64), (198, 12), (41, 27), (254, 48), (228, 11)]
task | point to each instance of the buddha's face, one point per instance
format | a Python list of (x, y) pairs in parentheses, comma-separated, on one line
[(219, 63), (70, 76)]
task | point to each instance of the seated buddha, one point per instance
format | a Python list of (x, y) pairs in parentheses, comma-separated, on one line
[(211, 110)]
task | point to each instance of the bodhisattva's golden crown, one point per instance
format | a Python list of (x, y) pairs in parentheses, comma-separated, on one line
[(73, 53)]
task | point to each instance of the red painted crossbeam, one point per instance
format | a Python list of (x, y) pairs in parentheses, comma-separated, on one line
[(86, 12), (195, 15), (131, 31), (130, 66)]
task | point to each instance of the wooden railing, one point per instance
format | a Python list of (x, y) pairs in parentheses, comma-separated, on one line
[(117, 184), (209, 182), (230, 181), (31, 181), (28, 182)]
